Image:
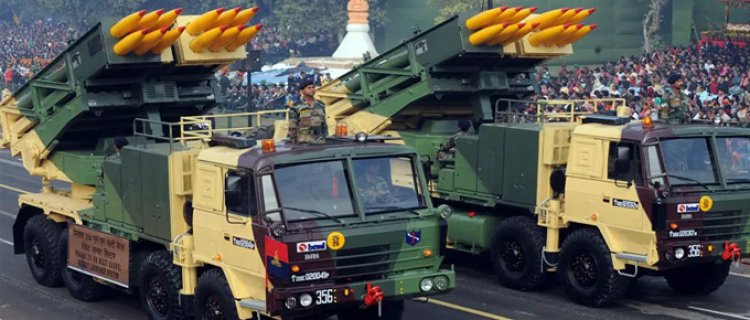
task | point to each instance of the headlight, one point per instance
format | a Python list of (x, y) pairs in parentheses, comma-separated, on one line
[(679, 253), (441, 283), (360, 136), (305, 300), (290, 303), (425, 285), (445, 211)]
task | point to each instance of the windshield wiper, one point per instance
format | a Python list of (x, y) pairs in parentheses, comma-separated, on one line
[(688, 179), (319, 213)]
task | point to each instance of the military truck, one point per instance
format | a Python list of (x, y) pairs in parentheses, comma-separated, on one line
[(201, 223), (598, 199)]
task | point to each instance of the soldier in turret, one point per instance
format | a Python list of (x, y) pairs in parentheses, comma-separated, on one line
[(307, 119), (677, 109)]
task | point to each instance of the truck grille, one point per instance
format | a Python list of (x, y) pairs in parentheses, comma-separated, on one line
[(375, 262), (725, 225)]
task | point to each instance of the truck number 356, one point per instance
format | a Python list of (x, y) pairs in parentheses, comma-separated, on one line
[(324, 296)]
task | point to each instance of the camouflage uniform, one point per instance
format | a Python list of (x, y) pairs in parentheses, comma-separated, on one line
[(677, 109), (307, 124), (374, 190), (448, 149)]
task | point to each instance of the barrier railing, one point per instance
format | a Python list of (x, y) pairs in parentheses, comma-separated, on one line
[(561, 110)]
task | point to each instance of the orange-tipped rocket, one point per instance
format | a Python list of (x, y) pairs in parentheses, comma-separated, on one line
[(579, 34), (520, 15), (506, 15), (167, 40), (206, 39), (582, 15), (126, 25), (244, 37), (483, 18), (149, 20), (244, 16), (129, 42), (226, 17), (166, 19), (486, 34), (225, 38), (547, 35), (548, 18), (506, 33), (567, 16), (563, 37), (521, 33), (203, 22), (150, 40)]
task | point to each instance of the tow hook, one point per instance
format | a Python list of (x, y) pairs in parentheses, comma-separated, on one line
[(374, 296), (731, 251)]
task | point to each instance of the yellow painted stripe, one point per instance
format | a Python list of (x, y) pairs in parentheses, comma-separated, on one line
[(463, 309), (13, 189)]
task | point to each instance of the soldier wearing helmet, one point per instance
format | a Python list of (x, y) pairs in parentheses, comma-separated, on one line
[(307, 120), (677, 109)]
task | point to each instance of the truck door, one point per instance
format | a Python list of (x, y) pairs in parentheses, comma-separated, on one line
[(619, 205), (240, 243)]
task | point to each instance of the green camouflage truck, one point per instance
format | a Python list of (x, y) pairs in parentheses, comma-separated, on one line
[(598, 199), (201, 223)]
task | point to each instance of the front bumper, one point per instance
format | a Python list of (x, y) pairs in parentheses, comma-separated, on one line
[(698, 252), (396, 287)]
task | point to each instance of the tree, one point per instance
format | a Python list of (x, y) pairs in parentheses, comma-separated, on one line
[(651, 23), (297, 19), (449, 8)]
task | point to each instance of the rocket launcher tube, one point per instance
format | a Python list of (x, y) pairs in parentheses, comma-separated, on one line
[(546, 35), (520, 15), (202, 23), (483, 18), (506, 15), (244, 16), (226, 17), (129, 42), (150, 40), (206, 39), (580, 34), (166, 19), (582, 15), (548, 18), (226, 38), (126, 25), (520, 33), (507, 32), (149, 20), (564, 36), (566, 17), (484, 35), (244, 37), (167, 40)]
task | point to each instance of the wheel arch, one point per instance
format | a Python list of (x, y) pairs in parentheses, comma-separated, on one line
[(24, 214)]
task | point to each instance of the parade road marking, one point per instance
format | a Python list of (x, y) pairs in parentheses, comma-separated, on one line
[(731, 315), (740, 275), (13, 189), (10, 243), (8, 214), (464, 309)]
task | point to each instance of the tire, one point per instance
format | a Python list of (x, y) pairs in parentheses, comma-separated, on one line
[(159, 287), (213, 298), (392, 310), (586, 269), (701, 279), (40, 239), (516, 253), (81, 286)]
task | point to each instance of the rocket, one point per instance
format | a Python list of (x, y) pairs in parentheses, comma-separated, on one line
[(548, 18), (564, 36), (484, 35), (226, 38), (226, 17), (506, 33), (167, 40), (520, 33), (546, 35), (150, 40), (483, 18), (244, 16), (580, 33), (206, 39), (244, 37), (520, 15), (506, 15), (203, 22), (166, 19), (126, 25), (149, 20), (129, 42), (582, 15), (565, 17)]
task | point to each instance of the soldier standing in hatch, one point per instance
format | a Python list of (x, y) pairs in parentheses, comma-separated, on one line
[(307, 119), (677, 109), (448, 149)]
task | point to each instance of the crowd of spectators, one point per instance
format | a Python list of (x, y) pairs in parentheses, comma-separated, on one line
[(716, 82), (273, 46)]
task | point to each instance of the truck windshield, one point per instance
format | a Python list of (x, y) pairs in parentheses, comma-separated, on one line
[(387, 184), (689, 161), (734, 158), (314, 190)]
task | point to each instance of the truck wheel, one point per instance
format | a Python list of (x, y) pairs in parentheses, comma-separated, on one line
[(81, 286), (392, 310), (516, 253), (586, 268), (701, 278), (213, 298), (159, 287), (40, 239)]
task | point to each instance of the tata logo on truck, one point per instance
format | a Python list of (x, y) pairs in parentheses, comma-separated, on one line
[(687, 207), (311, 246)]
